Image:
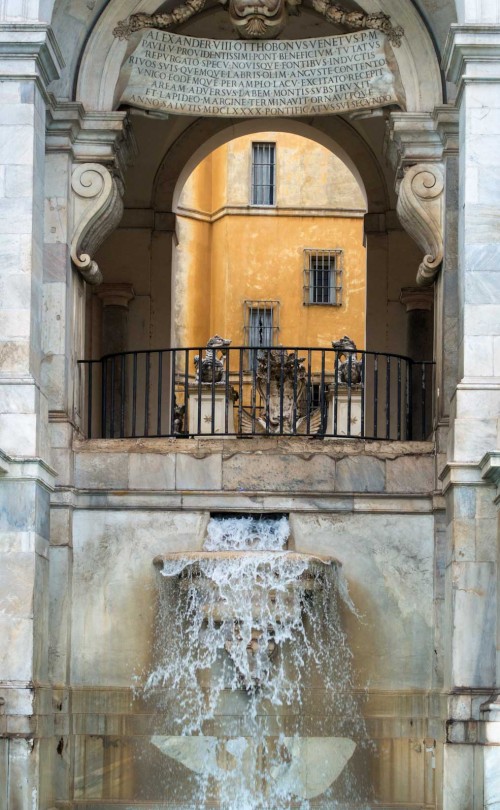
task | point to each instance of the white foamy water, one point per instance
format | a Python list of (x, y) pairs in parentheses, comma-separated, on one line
[(248, 532), (256, 670)]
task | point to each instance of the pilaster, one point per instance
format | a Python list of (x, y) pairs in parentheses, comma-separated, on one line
[(29, 59)]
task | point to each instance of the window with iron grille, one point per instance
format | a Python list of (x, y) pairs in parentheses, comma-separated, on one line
[(263, 174), (261, 327), (323, 277)]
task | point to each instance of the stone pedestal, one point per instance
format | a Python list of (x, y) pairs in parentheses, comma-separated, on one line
[(344, 426), (212, 411)]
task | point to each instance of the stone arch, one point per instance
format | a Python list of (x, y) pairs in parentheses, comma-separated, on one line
[(103, 56), (334, 133)]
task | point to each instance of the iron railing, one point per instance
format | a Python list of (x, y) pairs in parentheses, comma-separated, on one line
[(293, 391)]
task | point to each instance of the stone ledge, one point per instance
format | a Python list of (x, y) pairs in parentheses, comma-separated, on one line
[(338, 448), (268, 465)]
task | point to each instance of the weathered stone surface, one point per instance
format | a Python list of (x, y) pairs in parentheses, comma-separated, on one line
[(114, 588), (458, 781), (410, 474), (203, 473), (360, 475), (182, 92), (473, 655), (148, 471), (98, 471), (293, 473), (387, 562)]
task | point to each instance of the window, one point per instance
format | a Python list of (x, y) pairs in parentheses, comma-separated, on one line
[(261, 326), (263, 174), (323, 277)]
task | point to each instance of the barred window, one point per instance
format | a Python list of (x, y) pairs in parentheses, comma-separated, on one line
[(263, 174), (323, 277), (261, 327)]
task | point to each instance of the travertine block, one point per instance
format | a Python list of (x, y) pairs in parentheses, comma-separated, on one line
[(461, 534), (61, 526), (198, 473), (473, 438), (59, 612), (487, 537), (152, 471), (101, 470), (410, 474), (16, 651), (282, 473), (360, 474), (474, 621), (458, 777), (17, 398), (16, 584)]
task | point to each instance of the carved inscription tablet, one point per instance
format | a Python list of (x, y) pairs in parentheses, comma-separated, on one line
[(170, 73)]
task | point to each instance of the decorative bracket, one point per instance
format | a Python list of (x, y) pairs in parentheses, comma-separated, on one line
[(421, 211), (97, 210)]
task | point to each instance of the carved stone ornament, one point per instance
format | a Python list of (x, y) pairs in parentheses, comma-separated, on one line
[(350, 368), (421, 209), (97, 210), (262, 19), (211, 368), (281, 383)]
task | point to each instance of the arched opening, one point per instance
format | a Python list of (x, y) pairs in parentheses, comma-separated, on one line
[(205, 258), (269, 226)]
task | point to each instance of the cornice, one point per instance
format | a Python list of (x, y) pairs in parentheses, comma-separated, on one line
[(29, 51), (421, 137), (100, 137), (467, 50)]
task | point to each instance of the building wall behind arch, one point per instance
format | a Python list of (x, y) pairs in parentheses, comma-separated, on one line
[(257, 253)]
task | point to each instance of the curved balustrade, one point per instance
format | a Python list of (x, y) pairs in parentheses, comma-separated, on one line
[(244, 392)]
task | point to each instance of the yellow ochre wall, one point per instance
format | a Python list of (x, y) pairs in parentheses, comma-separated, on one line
[(229, 251)]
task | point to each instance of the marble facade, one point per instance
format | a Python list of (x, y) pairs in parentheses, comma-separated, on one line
[(414, 524)]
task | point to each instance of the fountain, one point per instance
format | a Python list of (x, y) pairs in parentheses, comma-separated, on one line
[(248, 634)]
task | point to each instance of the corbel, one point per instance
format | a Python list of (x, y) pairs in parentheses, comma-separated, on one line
[(97, 210), (420, 209)]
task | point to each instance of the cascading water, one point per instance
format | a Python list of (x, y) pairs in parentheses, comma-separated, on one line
[(256, 667)]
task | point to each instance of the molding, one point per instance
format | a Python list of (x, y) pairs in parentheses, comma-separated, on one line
[(490, 467), (421, 137), (467, 51), (273, 211), (411, 138), (90, 137), (33, 46), (116, 295), (97, 210), (460, 473), (421, 212), (27, 469), (417, 298)]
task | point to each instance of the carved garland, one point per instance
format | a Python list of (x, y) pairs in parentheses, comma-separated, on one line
[(420, 209), (332, 12), (97, 210)]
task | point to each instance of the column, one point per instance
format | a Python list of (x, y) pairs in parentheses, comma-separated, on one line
[(115, 305), (418, 302)]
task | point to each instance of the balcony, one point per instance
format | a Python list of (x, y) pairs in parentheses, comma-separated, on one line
[(221, 390)]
